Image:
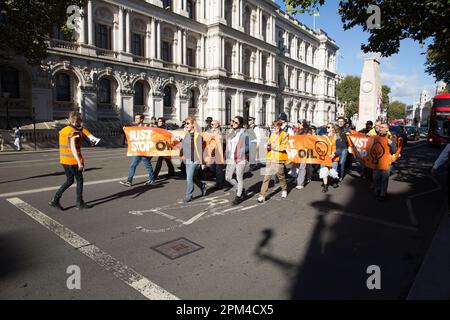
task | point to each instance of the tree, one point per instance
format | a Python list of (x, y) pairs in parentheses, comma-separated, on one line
[(385, 95), (347, 92), (25, 26), (396, 110), (400, 19)]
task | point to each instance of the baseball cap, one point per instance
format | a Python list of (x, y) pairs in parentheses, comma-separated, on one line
[(251, 118)]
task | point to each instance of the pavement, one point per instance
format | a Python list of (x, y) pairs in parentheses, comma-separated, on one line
[(308, 246)]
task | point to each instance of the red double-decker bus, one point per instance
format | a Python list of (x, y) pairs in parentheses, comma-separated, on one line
[(439, 125)]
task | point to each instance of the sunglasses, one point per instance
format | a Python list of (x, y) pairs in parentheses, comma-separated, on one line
[(329, 127), (188, 123), (232, 121)]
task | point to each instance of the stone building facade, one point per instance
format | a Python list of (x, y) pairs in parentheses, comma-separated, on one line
[(217, 58)]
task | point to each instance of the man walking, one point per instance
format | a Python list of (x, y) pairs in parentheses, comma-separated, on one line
[(135, 160), (161, 123), (18, 138), (70, 157), (342, 145)]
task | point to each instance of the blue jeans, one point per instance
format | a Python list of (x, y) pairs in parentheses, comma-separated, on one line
[(135, 162), (191, 178), (342, 160)]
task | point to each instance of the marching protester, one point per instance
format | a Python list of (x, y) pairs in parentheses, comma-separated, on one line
[(285, 126), (326, 172), (276, 158), (135, 160), (237, 154), (218, 168), (191, 155), (381, 177), (304, 170), (376, 129), (208, 122), (368, 128), (444, 158), (161, 123), (342, 145), (70, 157), (256, 135)]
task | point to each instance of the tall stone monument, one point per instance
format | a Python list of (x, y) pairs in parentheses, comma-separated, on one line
[(370, 94)]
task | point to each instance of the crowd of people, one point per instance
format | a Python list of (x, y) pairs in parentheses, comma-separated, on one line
[(245, 147)]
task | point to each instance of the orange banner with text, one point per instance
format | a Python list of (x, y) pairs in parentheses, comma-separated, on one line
[(151, 142), (309, 149), (371, 151)]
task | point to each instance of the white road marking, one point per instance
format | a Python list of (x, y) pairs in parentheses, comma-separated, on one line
[(45, 162), (89, 183), (196, 217), (135, 280)]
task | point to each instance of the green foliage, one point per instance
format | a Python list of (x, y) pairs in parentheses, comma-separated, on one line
[(385, 95), (400, 19), (347, 92), (25, 26), (396, 110)]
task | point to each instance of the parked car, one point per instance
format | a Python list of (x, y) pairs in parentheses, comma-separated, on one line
[(400, 132), (423, 132), (412, 133)]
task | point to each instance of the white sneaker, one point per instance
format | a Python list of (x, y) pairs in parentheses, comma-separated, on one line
[(261, 199), (300, 187), (284, 194)]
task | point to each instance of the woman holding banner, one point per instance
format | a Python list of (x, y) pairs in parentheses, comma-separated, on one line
[(276, 158), (326, 172), (237, 155), (191, 154)]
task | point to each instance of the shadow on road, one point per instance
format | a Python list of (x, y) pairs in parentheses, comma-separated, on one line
[(54, 174), (350, 236)]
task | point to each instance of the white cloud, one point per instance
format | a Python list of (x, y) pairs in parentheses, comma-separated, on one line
[(405, 88)]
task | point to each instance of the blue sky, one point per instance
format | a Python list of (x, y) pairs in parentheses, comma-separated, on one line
[(403, 72)]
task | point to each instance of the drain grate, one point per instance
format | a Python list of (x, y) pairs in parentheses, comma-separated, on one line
[(177, 248)]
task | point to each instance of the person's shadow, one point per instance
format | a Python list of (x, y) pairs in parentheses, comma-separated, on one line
[(134, 192)]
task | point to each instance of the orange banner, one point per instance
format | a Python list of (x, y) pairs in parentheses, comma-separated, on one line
[(213, 151), (151, 142), (309, 149), (372, 151)]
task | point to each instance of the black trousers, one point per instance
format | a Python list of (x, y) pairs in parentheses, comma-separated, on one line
[(72, 174), (159, 164)]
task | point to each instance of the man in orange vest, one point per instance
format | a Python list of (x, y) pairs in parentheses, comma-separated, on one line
[(70, 157)]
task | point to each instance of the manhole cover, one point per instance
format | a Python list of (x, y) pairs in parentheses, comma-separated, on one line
[(177, 248)]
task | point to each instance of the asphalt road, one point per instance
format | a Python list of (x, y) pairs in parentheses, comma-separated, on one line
[(308, 246)]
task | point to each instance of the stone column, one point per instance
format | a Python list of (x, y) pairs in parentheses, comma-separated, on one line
[(153, 37), (179, 57), (158, 40), (121, 24), (82, 29), (90, 24), (184, 47), (202, 52), (148, 40), (127, 32)]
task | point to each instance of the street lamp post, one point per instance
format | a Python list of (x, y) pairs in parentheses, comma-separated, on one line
[(6, 96)]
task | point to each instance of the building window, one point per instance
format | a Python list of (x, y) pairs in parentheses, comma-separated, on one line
[(58, 34), (246, 111), (166, 53), (264, 68), (103, 36), (139, 94), (137, 45), (190, 9), (167, 97), (190, 57), (62, 87), (247, 20), (193, 101), (263, 114), (228, 111), (167, 4), (264, 28), (104, 91), (10, 81)]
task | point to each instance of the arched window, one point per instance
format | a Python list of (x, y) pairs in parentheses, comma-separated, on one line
[(167, 96), (190, 9), (103, 36), (228, 111), (229, 12), (193, 99), (9, 81), (139, 94), (104, 91), (264, 28), (247, 20), (62, 84)]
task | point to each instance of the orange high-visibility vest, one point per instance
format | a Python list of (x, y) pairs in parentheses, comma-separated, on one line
[(65, 154), (280, 141)]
